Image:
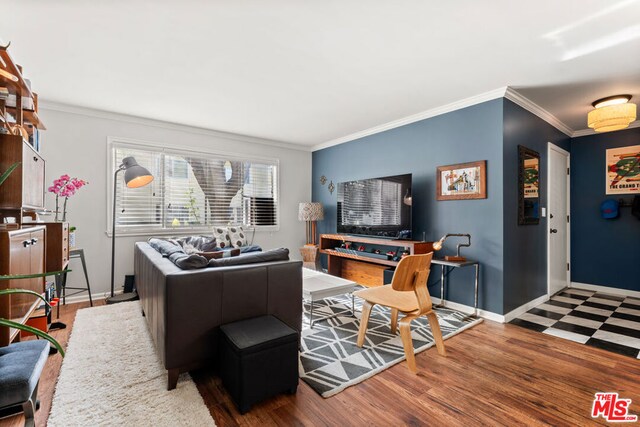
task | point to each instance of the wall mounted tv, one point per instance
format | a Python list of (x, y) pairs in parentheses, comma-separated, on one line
[(375, 207)]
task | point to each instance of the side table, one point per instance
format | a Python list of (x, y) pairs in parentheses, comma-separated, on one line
[(310, 257), (450, 265)]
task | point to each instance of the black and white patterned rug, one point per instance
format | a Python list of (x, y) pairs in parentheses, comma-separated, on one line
[(330, 360)]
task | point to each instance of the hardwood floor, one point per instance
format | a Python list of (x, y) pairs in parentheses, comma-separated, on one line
[(493, 374), (51, 370)]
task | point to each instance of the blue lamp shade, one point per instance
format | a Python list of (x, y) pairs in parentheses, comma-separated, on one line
[(135, 175)]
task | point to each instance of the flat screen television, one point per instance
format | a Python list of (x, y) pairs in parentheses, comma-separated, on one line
[(375, 207)]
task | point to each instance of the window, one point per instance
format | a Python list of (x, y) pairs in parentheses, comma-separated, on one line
[(194, 190)]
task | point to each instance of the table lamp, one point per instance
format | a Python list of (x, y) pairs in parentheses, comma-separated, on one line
[(135, 176), (457, 258)]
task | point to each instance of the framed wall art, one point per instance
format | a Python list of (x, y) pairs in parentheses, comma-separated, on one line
[(462, 181), (623, 170)]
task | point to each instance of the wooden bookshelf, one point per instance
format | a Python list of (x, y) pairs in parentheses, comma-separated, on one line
[(12, 79), (29, 116), (18, 85)]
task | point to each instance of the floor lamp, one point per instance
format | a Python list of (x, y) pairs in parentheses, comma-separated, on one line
[(310, 212), (135, 176)]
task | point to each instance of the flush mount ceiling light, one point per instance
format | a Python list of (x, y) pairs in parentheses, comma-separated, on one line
[(611, 113)]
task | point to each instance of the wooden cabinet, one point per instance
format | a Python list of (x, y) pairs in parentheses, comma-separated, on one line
[(24, 189), (23, 253), (364, 267), (33, 177), (57, 245), (23, 192)]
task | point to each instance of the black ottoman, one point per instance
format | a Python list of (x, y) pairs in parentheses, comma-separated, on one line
[(258, 360)]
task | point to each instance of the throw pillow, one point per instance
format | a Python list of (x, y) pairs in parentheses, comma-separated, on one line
[(221, 235), (195, 244), (220, 254), (238, 237)]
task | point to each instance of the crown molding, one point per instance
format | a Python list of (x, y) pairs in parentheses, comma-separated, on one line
[(514, 96), (108, 115), (589, 131), (456, 105)]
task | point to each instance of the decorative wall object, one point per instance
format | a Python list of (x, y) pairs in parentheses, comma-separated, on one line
[(623, 170), (528, 186), (462, 181), (323, 180), (331, 187)]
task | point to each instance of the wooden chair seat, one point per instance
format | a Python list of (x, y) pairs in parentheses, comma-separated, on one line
[(407, 294), (405, 302)]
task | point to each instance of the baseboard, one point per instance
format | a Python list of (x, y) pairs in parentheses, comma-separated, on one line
[(489, 315), (605, 289), (524, 308), (85, 297)]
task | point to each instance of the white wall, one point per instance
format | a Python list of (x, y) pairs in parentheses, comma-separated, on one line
[(75, 143)]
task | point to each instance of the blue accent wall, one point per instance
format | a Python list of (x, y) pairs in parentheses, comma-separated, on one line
[(603, 252), (470, 134), (525, 246)]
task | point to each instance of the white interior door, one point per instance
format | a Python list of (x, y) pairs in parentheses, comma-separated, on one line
[(558, 220)]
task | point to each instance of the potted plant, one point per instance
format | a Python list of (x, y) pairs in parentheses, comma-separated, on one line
[(65, 186), (72, 237), (11, 324)]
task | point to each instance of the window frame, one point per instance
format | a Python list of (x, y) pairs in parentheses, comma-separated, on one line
[(117, 142)]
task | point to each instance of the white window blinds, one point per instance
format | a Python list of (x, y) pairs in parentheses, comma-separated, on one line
[(195, 190)]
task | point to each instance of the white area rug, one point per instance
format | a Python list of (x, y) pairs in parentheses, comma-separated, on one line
[(113, 376)]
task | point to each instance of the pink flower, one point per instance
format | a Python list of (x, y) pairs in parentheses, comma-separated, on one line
[(65, 186)]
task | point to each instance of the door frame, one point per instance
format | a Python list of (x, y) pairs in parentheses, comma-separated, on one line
[(552, 147)]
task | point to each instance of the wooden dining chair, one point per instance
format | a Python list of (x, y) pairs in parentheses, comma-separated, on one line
[(407, 294)]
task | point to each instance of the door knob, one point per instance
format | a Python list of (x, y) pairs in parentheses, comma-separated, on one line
[(553, 230)]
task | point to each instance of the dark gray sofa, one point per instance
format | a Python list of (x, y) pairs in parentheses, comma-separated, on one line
[(185, 308)]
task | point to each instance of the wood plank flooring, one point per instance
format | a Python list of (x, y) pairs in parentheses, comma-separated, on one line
[(493, 374)]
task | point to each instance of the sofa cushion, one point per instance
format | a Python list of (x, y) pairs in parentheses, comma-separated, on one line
[(280, 254), (221, 234), (171, 249)]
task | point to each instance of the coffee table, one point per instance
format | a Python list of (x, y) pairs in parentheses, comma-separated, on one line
[(317, 285)]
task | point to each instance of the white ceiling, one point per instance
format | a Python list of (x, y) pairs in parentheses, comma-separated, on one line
[(310, 72)]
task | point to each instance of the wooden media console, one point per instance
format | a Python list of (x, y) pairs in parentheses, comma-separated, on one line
[(364, 267)]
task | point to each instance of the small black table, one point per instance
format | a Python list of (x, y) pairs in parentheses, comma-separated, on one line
[(449, 265)]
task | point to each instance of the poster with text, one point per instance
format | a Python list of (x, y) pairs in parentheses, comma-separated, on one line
[(531, 178), (623, 170)]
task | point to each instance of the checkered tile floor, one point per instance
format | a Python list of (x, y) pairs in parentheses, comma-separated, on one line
[(600, 320)]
